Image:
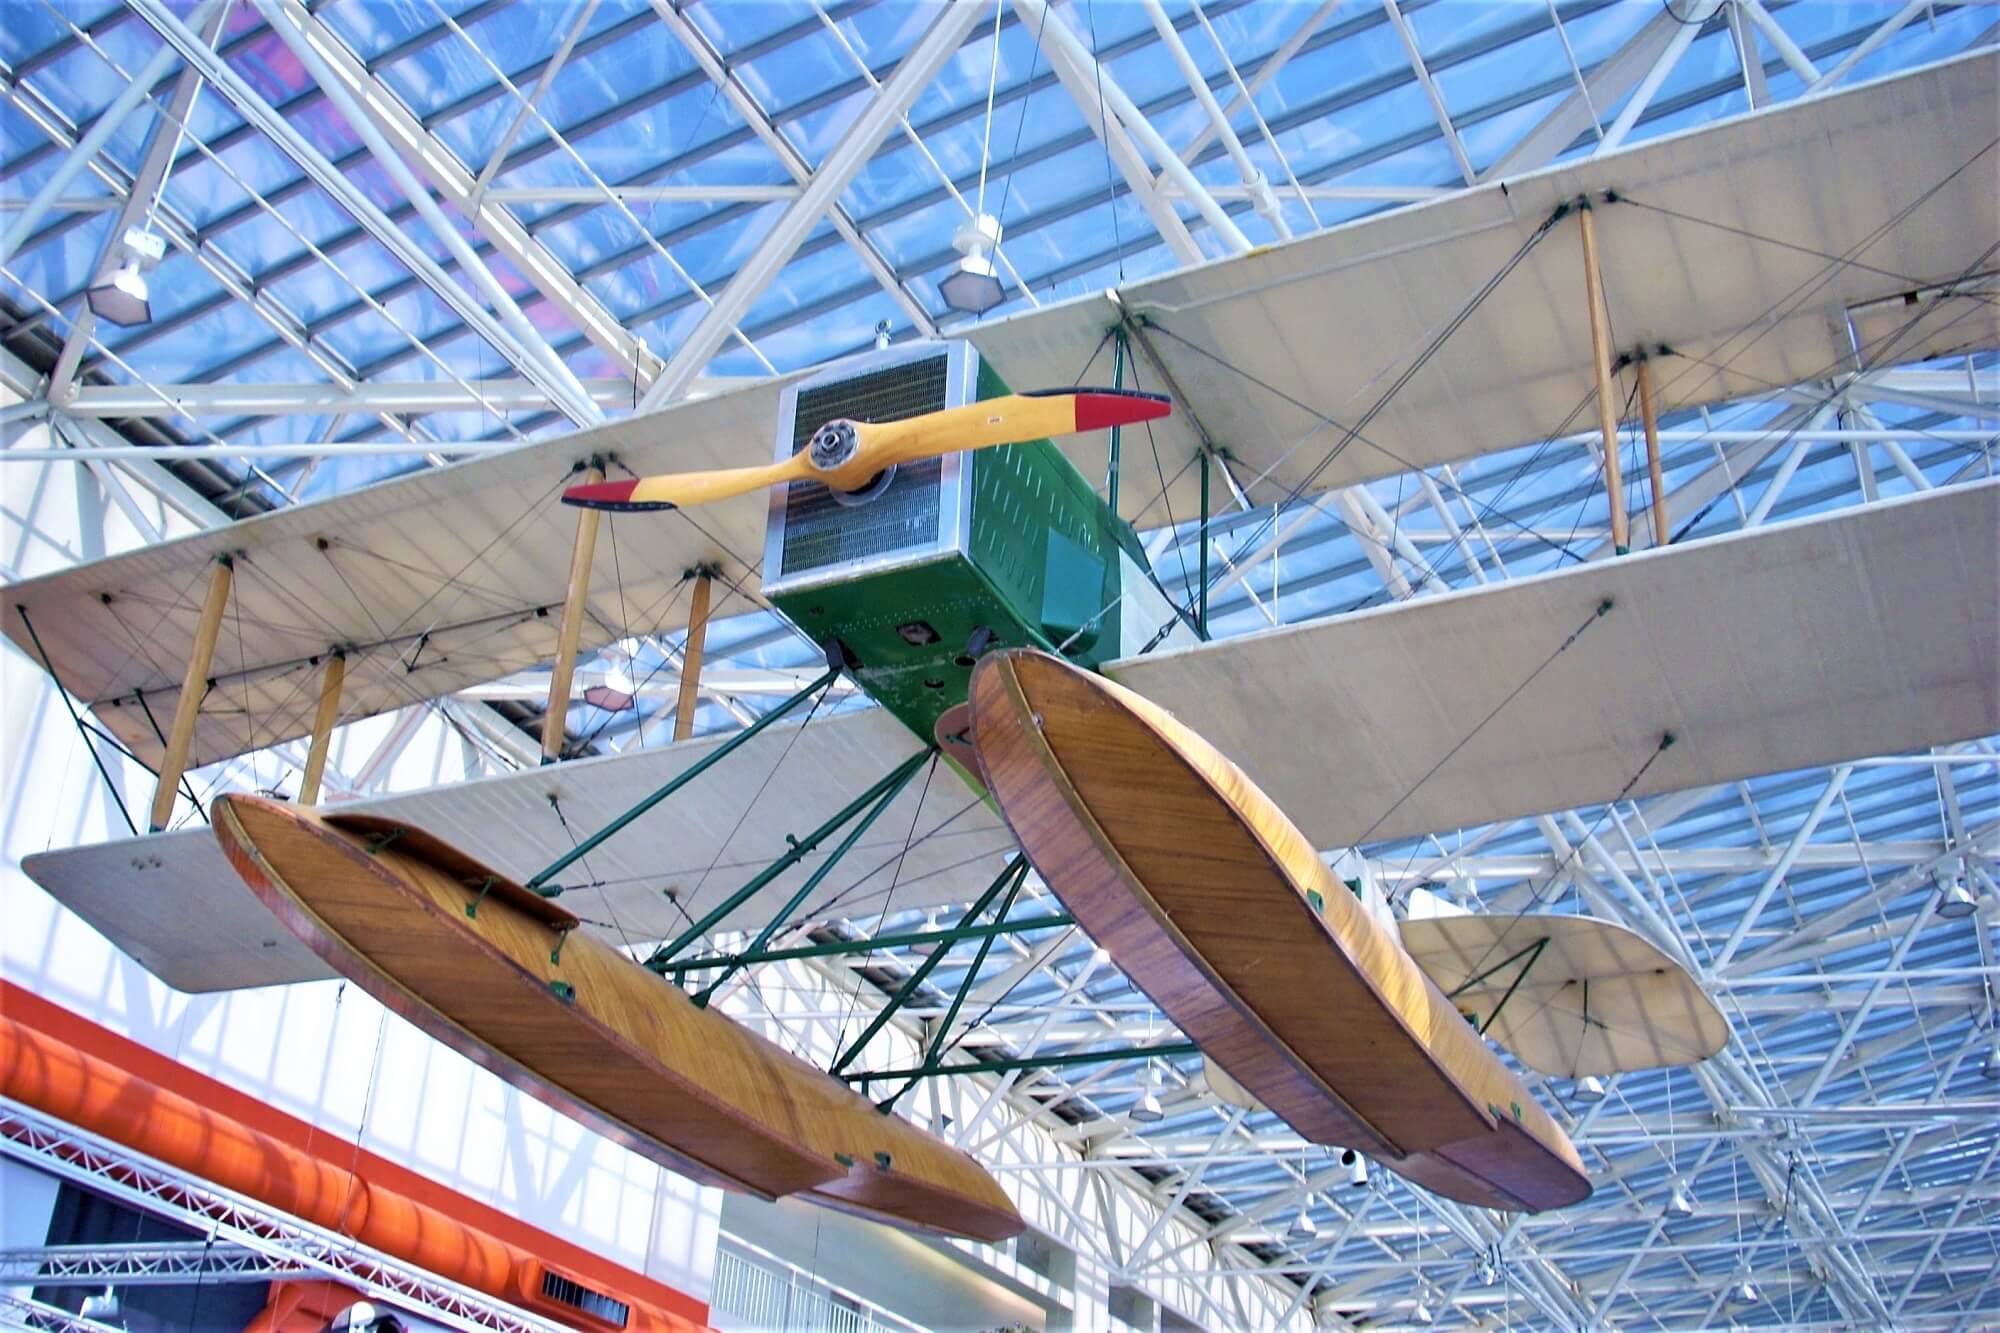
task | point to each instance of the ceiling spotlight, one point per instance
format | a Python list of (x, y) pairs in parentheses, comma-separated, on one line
[(1589, 1088), (1745, 1292), (1147, 1109), (973, 285), (1488, 1273), (1303, 1227), (1680, 1203), (103, 1306), (1357, 1168), (122, 298), (1955, 901)]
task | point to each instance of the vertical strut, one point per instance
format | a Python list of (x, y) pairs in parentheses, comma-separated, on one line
[(697, 639), (1201, 605), (1600, 356), (584, 551), (1656, 476), (323, 720), (1117, 382), (193, 686)]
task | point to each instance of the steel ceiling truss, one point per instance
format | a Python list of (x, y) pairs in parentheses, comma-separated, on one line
[(1841, 1149)]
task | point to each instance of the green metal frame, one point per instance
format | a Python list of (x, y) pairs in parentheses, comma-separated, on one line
[(832, 948), (1066, 1061), (897, 781), (540, 883), (1117, 382), (1532, 952), (799, 850), (1016, 871)]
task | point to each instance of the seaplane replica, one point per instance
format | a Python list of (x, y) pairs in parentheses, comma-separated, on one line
[(945, 543)]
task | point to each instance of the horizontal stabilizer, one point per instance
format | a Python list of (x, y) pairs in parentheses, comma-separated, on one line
[(1569, 995)]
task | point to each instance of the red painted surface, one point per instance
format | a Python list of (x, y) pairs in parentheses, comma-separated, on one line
[(67, 1066), (1100, 409)]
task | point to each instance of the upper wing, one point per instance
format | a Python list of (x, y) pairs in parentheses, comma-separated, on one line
[(453, 572), (1332, 319), (1869, 631), (1569, 995), (172, 902)]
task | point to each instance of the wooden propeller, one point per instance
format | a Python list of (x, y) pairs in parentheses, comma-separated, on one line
[(846, 455)]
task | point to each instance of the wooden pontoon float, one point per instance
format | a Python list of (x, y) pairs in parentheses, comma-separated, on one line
[(504, 976), (1219, 909)]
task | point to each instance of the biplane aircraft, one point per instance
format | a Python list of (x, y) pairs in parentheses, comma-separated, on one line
[(965, 570)]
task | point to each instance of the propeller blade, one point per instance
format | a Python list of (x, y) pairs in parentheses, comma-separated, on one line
[(1011, 419), (847, 455), (679, 490)]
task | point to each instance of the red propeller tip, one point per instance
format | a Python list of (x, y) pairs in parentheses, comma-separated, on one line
[(613, 495), (1100, 409)]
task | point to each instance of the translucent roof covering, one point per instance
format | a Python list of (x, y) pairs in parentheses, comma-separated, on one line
[(615, 165)]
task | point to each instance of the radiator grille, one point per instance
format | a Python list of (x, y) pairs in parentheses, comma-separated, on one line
[(820, 531), (568, 1291)]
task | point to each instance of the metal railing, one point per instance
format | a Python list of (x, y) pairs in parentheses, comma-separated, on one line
[(757, 1292)]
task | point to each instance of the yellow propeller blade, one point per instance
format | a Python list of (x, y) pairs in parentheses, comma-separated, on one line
[(681, 489), (846, 455)]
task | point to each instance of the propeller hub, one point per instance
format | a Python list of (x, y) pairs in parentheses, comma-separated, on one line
[(832, 445)]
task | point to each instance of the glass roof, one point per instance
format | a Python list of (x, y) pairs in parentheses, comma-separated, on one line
[(638, 175)]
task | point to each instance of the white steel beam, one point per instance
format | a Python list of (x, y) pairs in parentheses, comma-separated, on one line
[(102, 127), (913, 74), (457, 186), (1607, 82), (258, 112), (1092, 86), (1685, 30), (1254, 184), (1429, 85), (362, 106), (161, 149), (1076, 69)]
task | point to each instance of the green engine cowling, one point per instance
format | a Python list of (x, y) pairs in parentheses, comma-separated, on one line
[(932, 564)]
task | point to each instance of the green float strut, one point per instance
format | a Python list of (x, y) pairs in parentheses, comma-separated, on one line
[(897, 780), (699, 767), (1016, 871), (829, 948), (937, 1047), (1034, 1062), (1117, 382), (800, 849)]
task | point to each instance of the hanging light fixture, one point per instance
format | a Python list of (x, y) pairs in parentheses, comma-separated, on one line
[(1303, 1227), (1589, 1088), (1422, 1314), (1147, 1110), (104, 1307), (1680, 1203), (973, 285), (1955, 901), (123, 298), (1745, 1291), (1992, 1066)]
